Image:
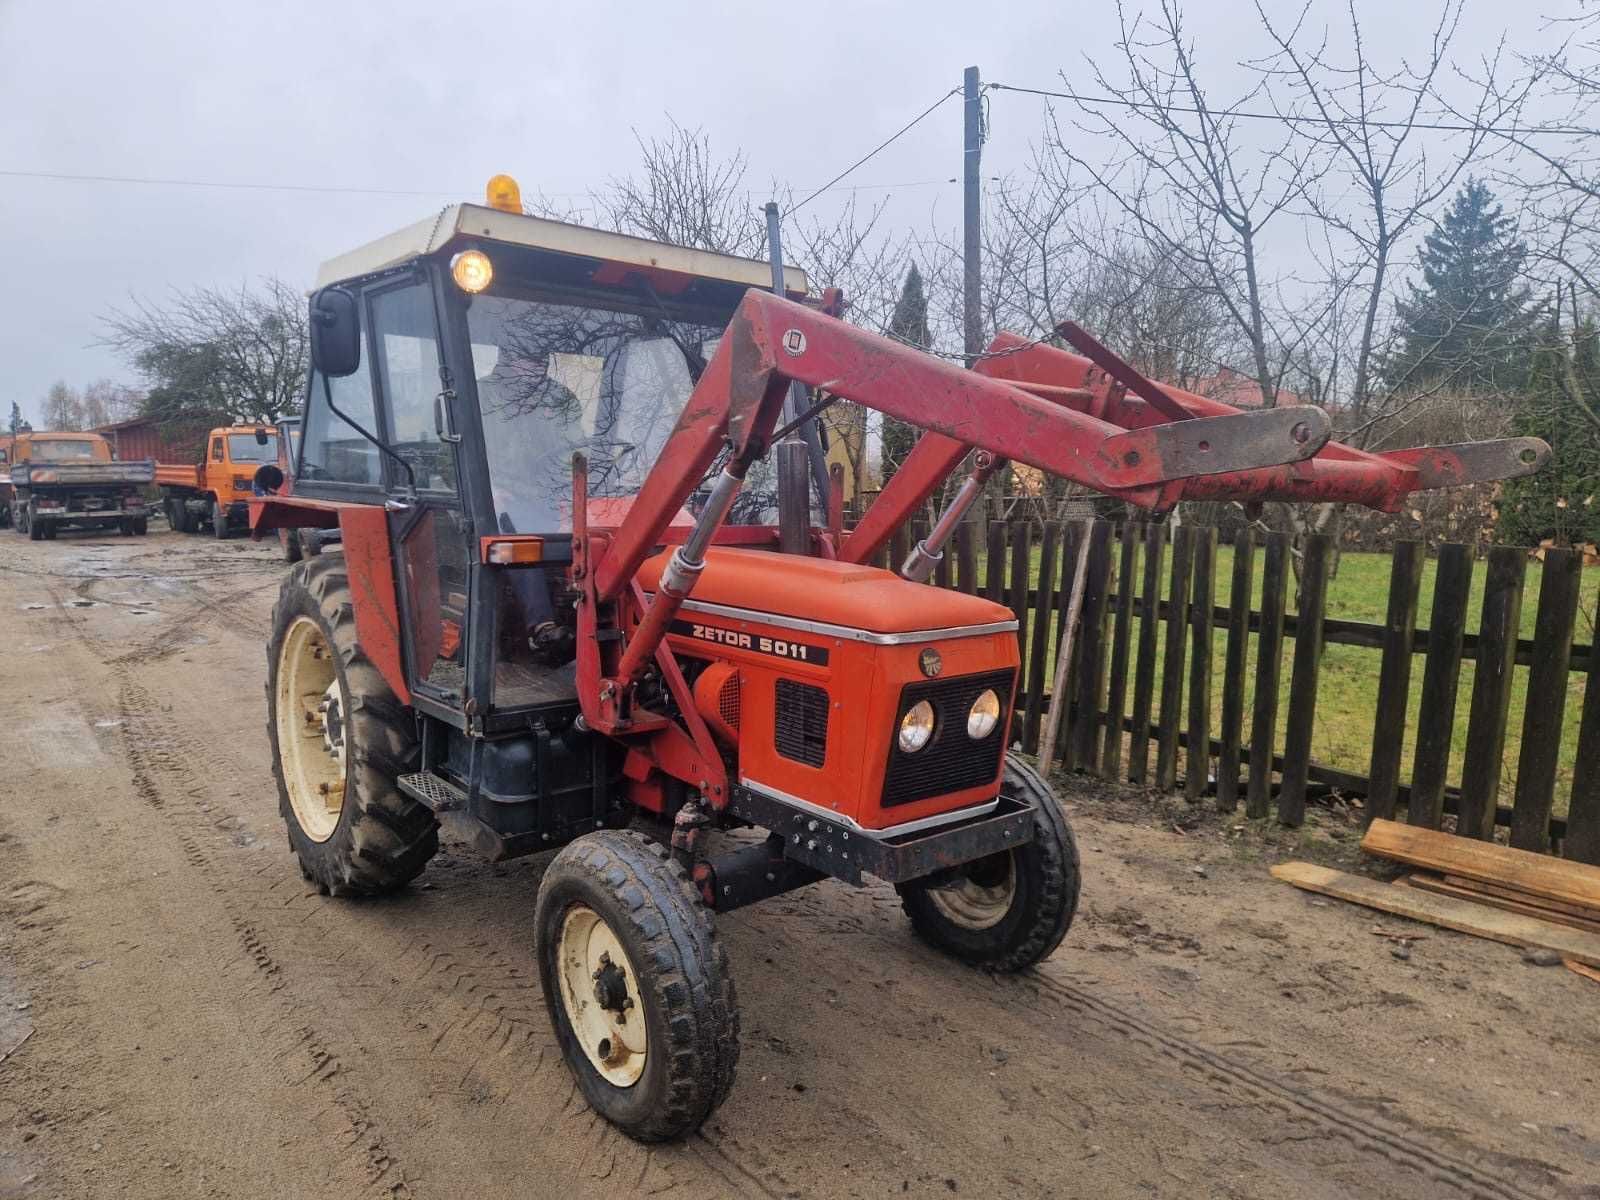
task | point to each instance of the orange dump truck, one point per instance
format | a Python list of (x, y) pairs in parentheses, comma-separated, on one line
[(215, 492)]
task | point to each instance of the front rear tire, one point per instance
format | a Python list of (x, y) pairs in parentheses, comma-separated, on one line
[(340, 739), (1008, 911), (637, 985)]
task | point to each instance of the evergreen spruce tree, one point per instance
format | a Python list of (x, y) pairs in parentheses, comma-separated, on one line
[(909, 324), (1469, 322), (1563, 500)]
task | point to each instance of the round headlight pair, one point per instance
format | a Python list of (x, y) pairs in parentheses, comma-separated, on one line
[(916, 727)]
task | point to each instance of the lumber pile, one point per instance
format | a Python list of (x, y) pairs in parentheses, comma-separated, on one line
[(1491, 891)]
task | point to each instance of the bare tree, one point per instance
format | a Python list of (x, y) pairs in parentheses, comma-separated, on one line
[(239, 355), (1182, 177), (687, 195), (62, 407)]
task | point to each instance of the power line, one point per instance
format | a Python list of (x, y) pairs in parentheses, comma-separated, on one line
[(890, 140), (1290, 119), (241, 185)]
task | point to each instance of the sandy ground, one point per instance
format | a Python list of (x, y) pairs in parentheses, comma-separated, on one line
[(184, 1017)]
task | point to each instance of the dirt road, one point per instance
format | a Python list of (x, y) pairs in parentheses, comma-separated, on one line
[(189, 1019)]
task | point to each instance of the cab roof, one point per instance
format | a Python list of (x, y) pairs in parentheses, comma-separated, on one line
[(475, 222)]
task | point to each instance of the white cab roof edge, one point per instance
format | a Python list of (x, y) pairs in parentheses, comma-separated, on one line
[(432, 233)]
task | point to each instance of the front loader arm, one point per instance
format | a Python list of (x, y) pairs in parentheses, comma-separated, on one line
[(1098, 383), (771, 341)]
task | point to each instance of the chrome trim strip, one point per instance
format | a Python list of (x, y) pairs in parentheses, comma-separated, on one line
[(847, 632), (949, 818)]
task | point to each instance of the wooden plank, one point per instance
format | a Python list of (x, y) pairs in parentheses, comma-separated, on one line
[(1491, 691), (1304, 682), (1269, 656), (1171, 721), (1547, 699), (1394, 680), (1074, 543), (1121, 635), (1089, 685), (1017, 595), (1238, 618), (1144, 675), (1583, 810), (1578, 968), (1043, 617), (994, 570), (1441, 677), (966, 559), (1197, 765), (1443, 887), (899, 547), (1510, 893), (1447, 912), (1537, 874)]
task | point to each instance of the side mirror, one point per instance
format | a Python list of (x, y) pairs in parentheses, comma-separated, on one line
[(261, 437), (335, 333)]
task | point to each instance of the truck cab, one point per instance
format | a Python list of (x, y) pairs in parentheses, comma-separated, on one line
[(61, 480), (215, 492)]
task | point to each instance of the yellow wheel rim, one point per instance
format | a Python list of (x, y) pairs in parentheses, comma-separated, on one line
[(982, 897), (601, 996), (311, 729)]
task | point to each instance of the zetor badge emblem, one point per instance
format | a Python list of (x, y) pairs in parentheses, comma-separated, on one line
[(794, 342)]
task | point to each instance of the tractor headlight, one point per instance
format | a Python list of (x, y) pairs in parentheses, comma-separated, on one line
[(916, 727), (472, 270), (983, 716)]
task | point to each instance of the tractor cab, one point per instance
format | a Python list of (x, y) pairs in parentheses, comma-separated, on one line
[(490, 347)]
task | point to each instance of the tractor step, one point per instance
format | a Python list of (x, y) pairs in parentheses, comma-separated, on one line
[(438, 794)]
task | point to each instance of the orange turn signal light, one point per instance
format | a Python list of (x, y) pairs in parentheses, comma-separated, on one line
[(513, 551)]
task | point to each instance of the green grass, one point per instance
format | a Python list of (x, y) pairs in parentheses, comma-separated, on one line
[(1347, 693)]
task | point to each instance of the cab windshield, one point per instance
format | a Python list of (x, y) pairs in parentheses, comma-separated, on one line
[(54, 451), (556, 378), (243, 448)]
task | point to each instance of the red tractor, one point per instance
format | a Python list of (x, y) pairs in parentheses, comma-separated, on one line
[(543, 627)]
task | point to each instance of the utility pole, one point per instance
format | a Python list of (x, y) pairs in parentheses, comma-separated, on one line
[(971, 215)]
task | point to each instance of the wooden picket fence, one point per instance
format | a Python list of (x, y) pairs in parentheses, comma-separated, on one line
[(1168, 672)]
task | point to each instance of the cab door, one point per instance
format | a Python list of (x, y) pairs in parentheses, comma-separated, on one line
[(431, 532)]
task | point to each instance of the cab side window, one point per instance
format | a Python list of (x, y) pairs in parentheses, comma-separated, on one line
[(216, 449), (332, 451), (407, 349)]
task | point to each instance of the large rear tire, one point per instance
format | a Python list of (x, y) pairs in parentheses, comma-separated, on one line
[(1009, 910), (289, 539), (340, 739), (637, 985)]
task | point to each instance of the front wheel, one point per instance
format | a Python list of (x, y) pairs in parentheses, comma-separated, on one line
[(637, 985), (141, 526), (219, 519), (340, 740), (1009, 910)]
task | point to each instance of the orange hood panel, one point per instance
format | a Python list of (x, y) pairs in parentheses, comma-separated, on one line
[(819, 589)]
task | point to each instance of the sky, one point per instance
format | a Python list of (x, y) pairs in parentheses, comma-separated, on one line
[(433, 99)]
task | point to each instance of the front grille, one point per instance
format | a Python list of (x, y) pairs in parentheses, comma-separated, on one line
[(728, 703), (800, 723), (951, 761)]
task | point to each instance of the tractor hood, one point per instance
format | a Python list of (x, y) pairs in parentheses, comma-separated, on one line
[(854, 597)]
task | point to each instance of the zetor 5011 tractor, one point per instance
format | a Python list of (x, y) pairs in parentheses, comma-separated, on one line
[(544, 625)]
